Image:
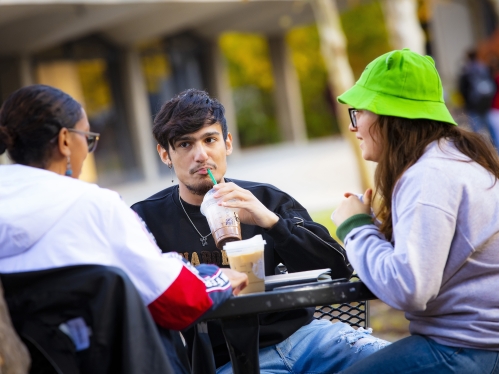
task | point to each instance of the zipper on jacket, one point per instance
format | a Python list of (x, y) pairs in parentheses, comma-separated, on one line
[(300, 225)]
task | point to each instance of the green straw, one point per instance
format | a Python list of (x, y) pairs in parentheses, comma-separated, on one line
[(211, 176)]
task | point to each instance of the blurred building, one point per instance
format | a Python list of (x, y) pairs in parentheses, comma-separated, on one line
[(123, 58)]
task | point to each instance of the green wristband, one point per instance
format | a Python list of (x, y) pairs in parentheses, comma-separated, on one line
[(351, 223)]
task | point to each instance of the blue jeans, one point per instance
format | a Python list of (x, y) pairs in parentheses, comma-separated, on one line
[(319, 347), (419, 354)]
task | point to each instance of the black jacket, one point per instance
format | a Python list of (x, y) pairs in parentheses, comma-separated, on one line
[(295, 240)]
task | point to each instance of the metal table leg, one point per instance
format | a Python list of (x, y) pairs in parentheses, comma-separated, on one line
[(241, 335), (203, 361)]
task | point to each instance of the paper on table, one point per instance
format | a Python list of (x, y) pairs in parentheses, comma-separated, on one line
[(273, 281)]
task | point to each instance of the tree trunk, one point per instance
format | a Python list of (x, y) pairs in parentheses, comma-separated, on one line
[(404, 29), (14, 357), (340, 75)]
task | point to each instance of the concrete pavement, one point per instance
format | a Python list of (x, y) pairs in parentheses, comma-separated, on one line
[(316, 173)]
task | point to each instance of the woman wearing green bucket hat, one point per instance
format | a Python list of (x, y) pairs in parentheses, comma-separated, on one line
[(432, 248)]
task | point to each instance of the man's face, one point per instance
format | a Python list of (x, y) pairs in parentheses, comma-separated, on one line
[(195, 153)]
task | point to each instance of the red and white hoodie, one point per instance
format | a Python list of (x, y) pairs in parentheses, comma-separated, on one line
[(48, 220)]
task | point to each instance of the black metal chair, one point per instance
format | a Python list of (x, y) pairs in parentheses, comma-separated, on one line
[(355, 314), (113, 333)]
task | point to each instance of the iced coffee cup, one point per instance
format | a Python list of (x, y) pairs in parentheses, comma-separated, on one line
[(246, 256), (224, 222)]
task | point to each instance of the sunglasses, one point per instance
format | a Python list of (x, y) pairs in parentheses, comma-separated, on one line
[(92, 138), (353, 116)]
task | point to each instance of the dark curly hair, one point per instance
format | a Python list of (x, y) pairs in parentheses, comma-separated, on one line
[(30, 120), (186, 113)]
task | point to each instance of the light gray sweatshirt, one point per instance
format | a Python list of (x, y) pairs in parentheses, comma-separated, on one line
[(442, 268)]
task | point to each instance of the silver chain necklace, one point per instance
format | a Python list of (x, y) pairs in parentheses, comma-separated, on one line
[(202, 239)]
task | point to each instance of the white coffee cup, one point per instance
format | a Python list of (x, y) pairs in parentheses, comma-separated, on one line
[(247, 256)]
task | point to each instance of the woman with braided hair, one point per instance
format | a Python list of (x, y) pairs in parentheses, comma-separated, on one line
[(49, 219)]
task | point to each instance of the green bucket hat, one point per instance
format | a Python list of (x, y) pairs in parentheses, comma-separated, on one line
[(400, 83)]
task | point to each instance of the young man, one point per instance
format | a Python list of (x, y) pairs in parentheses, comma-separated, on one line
[(192, 137)]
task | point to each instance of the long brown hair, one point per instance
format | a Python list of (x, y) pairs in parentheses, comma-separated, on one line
[(403, 142)]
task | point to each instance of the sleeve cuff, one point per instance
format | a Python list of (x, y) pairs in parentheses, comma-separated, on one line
[(279, 232), (352, 223)]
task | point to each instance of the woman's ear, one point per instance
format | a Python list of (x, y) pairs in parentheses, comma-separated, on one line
[(63, 142)]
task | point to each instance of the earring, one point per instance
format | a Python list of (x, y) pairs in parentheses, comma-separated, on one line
[(69, 170), (171, 170)]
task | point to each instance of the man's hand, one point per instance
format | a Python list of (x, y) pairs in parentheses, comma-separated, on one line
[(238, 280), (250, 210), (352, 206)]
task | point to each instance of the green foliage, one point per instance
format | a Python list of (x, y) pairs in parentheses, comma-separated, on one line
[(95, 87), (250, 72), (365, 29), (304, 43), (250, 75), (248, 60), (255, 116), (156, 68)]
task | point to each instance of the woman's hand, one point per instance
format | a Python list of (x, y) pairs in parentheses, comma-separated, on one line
[(352, 206), (251, 210), (238, 280)]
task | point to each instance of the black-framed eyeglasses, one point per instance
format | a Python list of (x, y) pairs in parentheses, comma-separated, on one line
[(92, 138), (353, 116)]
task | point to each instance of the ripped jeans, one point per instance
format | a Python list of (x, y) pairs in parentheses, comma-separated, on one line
[(422, 355), (319, 347)]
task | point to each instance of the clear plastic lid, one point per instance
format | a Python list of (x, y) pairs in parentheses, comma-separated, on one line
[(244, 245), (208, 201)]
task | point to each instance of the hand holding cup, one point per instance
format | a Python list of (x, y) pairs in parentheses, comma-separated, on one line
[(238, 280), (352, 206), (251, 211)]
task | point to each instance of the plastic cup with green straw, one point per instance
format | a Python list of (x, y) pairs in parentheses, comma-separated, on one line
[(212, 177)]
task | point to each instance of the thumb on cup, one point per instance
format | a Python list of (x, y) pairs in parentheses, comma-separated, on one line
[(367, 198), (238, 280)]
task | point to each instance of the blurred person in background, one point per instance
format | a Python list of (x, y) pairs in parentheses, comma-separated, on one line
[(193, 137), (477, 87), (48, 218), (431, 248), (493, 115)]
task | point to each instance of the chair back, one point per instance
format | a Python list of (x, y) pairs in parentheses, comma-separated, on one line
[(356, 314), (84, 319)]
